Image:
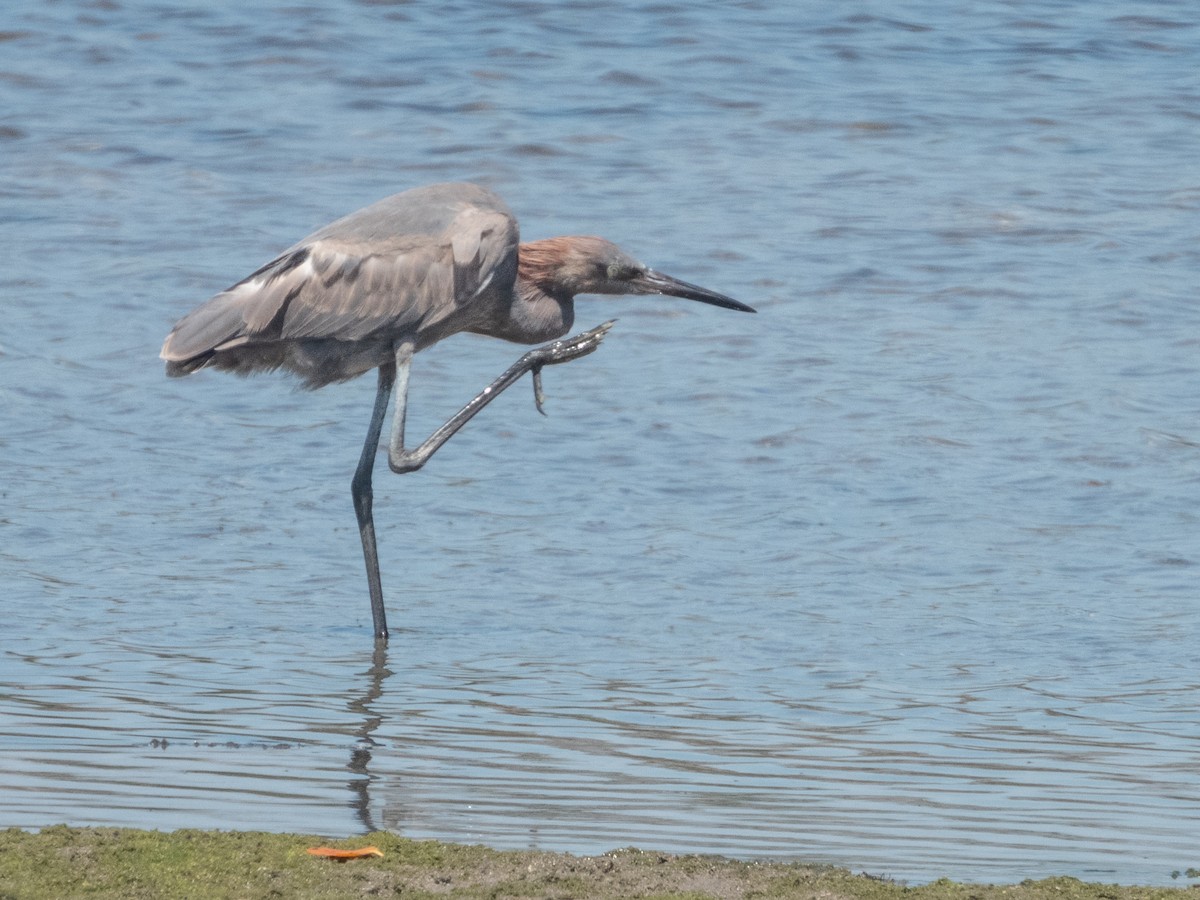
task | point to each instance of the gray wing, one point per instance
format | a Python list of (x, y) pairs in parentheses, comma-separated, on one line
[(412, 263)]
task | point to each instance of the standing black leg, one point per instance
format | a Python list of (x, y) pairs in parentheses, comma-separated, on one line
[(360, 490), (394, 373)]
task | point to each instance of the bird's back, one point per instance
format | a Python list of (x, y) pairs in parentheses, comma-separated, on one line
[(419, 212), (422, 264)]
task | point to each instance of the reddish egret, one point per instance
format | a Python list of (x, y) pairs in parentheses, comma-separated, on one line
[(371, 289)]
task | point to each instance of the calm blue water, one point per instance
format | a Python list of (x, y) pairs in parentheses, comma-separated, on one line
[(900, 574)]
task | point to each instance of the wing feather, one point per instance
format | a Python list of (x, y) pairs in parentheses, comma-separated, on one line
[(422, 264)]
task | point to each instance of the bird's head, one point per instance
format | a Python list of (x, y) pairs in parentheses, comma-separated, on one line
[(567, 266)]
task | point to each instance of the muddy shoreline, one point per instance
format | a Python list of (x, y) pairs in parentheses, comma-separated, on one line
[(63, 862)]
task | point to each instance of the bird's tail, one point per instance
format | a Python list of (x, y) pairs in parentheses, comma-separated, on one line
[(193, 343)]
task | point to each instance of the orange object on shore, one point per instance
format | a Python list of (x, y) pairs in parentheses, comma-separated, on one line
[(335, 853)]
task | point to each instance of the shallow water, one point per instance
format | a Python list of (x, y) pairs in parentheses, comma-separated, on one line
[(899, 574)]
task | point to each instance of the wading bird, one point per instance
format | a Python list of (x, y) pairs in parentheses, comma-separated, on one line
[(373, 288)]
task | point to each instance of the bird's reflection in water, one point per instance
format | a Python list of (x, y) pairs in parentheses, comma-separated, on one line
[(360, 757)]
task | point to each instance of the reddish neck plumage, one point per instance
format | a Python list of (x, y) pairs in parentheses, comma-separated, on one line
[(544, 306), (543, 264)]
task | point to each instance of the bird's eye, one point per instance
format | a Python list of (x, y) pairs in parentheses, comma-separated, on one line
[(618, 272)]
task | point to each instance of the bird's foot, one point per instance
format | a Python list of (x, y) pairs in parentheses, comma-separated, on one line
[(562, 351)]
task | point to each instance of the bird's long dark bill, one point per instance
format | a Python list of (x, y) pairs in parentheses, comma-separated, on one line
[(657, 283)]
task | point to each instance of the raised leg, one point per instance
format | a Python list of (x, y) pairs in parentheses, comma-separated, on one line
[(403, 460), (360, 490)]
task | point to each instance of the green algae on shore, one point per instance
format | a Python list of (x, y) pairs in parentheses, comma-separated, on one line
[(65, 862)]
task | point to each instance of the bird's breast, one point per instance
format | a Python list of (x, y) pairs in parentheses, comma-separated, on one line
[(531, 317)]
